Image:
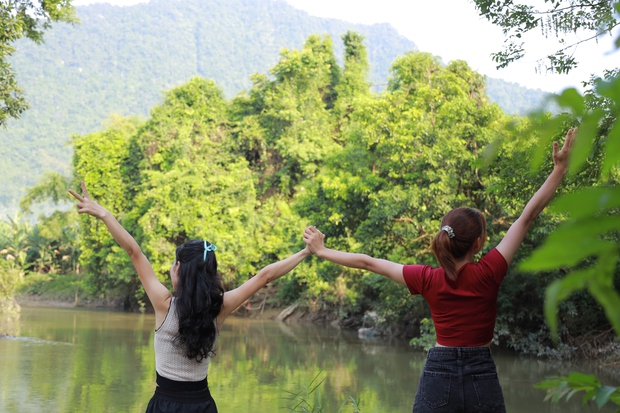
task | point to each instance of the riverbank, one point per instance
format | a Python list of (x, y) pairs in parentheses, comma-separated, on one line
[(257, 308), (68, 292)]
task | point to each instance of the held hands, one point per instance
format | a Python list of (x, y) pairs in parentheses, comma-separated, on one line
[(314, 239), (560, 158), (86, 205)]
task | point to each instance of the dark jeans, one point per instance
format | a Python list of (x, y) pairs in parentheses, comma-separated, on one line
[(459, 379)]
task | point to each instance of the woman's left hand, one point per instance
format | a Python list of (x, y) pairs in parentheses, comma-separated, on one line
[(314, 239)]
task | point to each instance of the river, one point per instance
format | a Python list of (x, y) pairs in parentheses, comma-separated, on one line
[(75, 360)]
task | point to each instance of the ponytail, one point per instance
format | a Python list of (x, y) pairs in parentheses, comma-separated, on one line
[(460, 229), (441, 248)]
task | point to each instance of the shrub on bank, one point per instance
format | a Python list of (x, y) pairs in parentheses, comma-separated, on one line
[(9, 309)]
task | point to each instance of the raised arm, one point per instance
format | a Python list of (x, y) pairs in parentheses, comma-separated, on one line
[(155, 290), (314, 239), (514, 237), (234, 298)]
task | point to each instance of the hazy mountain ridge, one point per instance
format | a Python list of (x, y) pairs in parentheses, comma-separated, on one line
[(516, 99), (119, 59)]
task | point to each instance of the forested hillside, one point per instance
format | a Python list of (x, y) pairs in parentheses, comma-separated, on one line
[(120, 59), (517, 100)]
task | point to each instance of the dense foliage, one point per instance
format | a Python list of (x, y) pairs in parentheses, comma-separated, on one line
[(19, 19), (118, 60), (585, 246), (587, 243), (312, 144)]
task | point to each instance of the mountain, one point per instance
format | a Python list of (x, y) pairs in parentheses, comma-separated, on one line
[(118, 60), (516, 99)]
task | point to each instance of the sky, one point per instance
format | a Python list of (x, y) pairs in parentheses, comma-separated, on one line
[(452, 29)]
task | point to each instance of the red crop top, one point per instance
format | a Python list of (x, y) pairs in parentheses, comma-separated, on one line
[(464, 310)]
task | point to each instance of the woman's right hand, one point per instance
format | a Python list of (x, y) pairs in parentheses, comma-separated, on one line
[(560, 158), (511, 242), (86, 205)]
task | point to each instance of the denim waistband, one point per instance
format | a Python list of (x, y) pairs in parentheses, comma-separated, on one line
[(460, 352)]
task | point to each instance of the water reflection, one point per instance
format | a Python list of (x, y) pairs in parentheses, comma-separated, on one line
[(101, 361), (9, 316)]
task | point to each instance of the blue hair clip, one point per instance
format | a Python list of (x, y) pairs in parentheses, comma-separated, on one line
[(208, 248)]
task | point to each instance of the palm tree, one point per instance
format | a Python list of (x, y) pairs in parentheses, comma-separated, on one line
[(14, 242)]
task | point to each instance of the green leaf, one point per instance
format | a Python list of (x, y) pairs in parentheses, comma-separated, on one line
[(577, 379), (561, 386), (587, 201), (609, 88), (572, 392), (549, 383), (585, 140), (491, 150), (589, 395), (609, 300), (547, 129), (588, 227), (559, 392), (561, 253), (560, 290), (570, 98), (612, 150), (602, 395), (599, 280)]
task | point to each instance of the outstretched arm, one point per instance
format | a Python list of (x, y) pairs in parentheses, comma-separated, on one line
[(234, 298), (156, 291), (514, 237), (314, 239)]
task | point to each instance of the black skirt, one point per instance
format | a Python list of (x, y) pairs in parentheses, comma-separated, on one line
[(181, 397)]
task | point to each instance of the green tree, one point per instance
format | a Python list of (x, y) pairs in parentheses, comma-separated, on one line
[(557, 18), (169, 179), (408, 156), (188, 184), (130, 60), (24, 18), (9, 309), (53, 186), (286, 125), (98, 159), (14, 242), (53, 240), (354, 81)]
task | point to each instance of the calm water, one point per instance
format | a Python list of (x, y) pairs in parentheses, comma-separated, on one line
[(68, 360)]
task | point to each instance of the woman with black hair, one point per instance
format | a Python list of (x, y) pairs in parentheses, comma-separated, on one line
[(459, 374), (188, 320)]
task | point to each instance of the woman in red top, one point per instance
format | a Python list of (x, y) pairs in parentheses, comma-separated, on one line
[(459, 374)]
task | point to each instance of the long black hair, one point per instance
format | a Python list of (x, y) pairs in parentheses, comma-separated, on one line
[(199, 296)]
